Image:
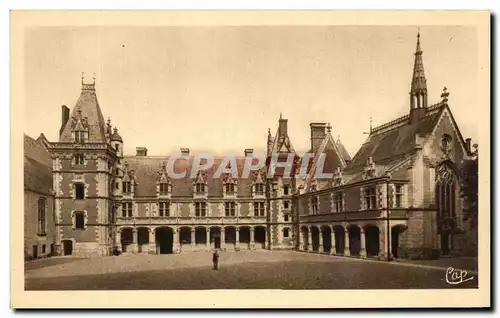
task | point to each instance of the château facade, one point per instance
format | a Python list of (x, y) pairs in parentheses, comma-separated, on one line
[(399, 195)]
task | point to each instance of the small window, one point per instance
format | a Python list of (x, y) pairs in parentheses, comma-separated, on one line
[(43, 249), (117, 185), (230, 188), (127, 187), (116, 147), (286, 204), (314, 205), (259, 209), (127, 209), (200, 188), (370, 198), (79, 136), (399, 196), (286, 217), (259, 188), (79, 159), (163, 188), (286, 232), (230, 208), (286, 189), (164, 208), (79, 221), (41, 216), (200, 209), (338, 202), (79, 191)]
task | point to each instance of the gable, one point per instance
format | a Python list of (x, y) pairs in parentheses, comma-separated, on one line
[(445, 126)]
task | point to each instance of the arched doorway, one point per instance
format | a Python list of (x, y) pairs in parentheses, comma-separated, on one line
[(127, 238), (200, 235), (185, 236), (215, 237), (396, 232), (372, 239), (327, 238), (339, 239), (230, 235), (354, 239), (304, 232), (260, 237), (244, 237), (164, 240), (67, 247), (315, 238), (142, 240)]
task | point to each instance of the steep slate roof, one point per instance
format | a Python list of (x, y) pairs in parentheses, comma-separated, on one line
[(37, 166), (89, 106), (392, 143), (146, 173), (343, 151)]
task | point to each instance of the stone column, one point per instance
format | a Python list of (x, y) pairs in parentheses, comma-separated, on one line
[(177, 246), (252, 238), (321, 249), (134, 245), (222, 238), (347, 251), (193, 237), (309, 240), (118, 240), (333, 251), (301, 240), (362, 234), (236, 244), (383, 242), (208, 239), (152, 242)]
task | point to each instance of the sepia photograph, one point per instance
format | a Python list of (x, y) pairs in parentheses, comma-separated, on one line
[(250, 152)]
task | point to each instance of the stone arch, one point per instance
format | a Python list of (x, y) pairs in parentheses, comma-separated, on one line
[(127, 239), (142, 239), (215, 237), (354, 239), (200, 235), (304, 232), (396, 231), (339, 239), (327, 238), (244, 237), (372, 240), (185, 235), (230, 235), (315, 238), (164, 237), (260, 237)]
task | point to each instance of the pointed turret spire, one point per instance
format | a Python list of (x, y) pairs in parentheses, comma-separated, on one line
[(418, 94)]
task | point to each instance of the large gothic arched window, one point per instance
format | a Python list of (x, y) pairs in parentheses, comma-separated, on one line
[(445, 191)]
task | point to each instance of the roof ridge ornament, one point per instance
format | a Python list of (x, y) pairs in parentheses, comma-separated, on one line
[(445, 95)]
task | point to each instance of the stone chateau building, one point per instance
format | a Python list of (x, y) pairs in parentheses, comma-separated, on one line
[(399, 195)]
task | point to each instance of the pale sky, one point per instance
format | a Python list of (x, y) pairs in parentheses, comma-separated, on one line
[(219, 89)]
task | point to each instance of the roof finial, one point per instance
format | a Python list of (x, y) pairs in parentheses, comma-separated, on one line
[(82, 77), (281, 116), (94, 78), (371, 122), (328, 127), (338, 138), (445, 95)]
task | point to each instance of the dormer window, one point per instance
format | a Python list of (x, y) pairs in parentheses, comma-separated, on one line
[(200, 188), (163, 184), (79, 136), (163, 188), (79, 127), (369, 169), (259, 188), (229, 188), (127, 187)]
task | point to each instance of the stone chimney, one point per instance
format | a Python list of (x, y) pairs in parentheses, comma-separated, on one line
[(141, 151), (248, 152), (185, 151), (65, 117), (283, 127), (318, 133), (468, 145)]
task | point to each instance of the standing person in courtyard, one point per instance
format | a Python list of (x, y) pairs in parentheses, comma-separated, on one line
[(215, 260)]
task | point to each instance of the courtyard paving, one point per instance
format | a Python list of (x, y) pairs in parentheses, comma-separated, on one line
[(238, 270)]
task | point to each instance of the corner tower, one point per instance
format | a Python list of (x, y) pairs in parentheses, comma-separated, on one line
[(84, 164)]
